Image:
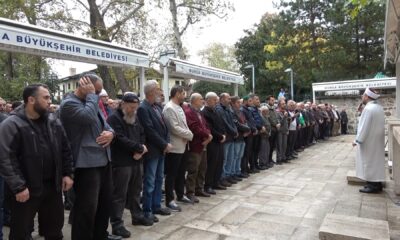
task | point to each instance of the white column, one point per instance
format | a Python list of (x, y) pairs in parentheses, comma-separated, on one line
[(142, 79), (236, 89), (165, 84), (398, 90), (313, 96)]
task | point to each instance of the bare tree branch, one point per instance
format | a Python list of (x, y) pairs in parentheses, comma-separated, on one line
[(86, 7), (117, 25)]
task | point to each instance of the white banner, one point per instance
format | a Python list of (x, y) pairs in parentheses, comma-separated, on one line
[(26, 39), (374, 83), (208, 74)]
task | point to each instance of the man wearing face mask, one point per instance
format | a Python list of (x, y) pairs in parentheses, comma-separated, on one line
[(90, 137), (36, 164)]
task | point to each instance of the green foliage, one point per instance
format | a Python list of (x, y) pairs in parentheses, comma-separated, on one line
[(319, 40)]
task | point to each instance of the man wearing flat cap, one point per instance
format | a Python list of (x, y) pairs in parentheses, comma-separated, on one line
[(126, 153), (370, 142)]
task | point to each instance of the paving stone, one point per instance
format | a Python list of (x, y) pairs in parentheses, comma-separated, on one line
[(353, 228), (192, 234), (305, 233), (238, 216), (218, 212)]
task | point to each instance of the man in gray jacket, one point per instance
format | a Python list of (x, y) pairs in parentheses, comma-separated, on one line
[(90, 137)]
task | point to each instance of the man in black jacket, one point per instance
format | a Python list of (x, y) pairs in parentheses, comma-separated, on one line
[(248, 157), (126, 154), (158, 144), (215, 147), (225, 112), (36, 164), (344, 121)]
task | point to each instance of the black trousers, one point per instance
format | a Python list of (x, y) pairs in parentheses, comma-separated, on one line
[(215, 158), (291, 141), (256, 149), (174, 176), (93, 188), (248, 154), (344, 128), (49, 206), (126, 193), (272, 143)]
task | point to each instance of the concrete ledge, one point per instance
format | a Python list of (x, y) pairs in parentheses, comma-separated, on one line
[(353, 180), (340, 227)]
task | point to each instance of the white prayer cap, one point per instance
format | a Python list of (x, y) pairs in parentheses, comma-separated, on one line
[(103, 93), (371, 94)]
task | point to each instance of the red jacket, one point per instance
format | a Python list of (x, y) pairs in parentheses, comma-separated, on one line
[(198, 125)]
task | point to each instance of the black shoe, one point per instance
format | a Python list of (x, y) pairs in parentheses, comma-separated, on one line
[(142, 221), (210, 191), (278, 163), (368, 189), (113, 237), (243, 175), (220, 187), (236, 178), (225, 183), (162, 211), (255, 170), (231, 180), (262, 168), (202, 194), (122, 232)]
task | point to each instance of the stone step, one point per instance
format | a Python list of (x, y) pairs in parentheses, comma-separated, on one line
[(340, 227), (352, 179)]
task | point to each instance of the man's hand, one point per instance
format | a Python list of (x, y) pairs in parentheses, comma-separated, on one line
[(137, 156), (22, 196), (278, 126), (67, 183), (246, 134), (86, 86), (354, 144), (223, 139), (105, 138), (168, 148)]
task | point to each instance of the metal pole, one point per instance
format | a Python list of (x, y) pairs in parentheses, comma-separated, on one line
[(235, 89), (165, 84), (142, 79), (291, 84), (253, 77)]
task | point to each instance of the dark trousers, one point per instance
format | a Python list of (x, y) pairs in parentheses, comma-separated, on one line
[(93, 188), (291, 141), (196, 166), (310, 134), (256, 150), (174, 176), (344, 128), (49, 206), (300, 139), (214, 164), (263, 154), (248, 154), (272, 144), (126, 193)]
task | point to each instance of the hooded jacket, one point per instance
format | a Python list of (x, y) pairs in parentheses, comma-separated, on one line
[(21, 157)]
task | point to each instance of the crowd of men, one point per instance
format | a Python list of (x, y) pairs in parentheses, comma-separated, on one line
[(107, 156)]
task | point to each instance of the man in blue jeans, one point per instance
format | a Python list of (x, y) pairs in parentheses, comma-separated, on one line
[(157, 142), (224, 110)]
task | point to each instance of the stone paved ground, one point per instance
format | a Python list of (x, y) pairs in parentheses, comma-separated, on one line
[(285, 202)]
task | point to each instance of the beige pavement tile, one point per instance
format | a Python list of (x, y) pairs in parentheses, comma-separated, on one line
[(192, 234)]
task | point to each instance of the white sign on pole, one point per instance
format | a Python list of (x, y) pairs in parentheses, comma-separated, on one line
[(39, 41), (208, 73), (350, 85)]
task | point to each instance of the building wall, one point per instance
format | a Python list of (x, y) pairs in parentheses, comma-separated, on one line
[(350, 103)]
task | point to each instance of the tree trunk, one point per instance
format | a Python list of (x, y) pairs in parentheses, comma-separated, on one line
[(175, 26), (119, 74), (107, 80)]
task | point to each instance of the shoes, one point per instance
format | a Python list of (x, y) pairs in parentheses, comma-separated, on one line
[(210, 191), (162, 211), (255, 170), (185, 199), (220, 187), (225, 183), (290, 158), (114, 237), (174, 207), (243, 175), (278, 163), (262, 168), (193, 198), (122, 232), (370, 190), (231, 180), (236, 178), (201, 193), (141, 220)]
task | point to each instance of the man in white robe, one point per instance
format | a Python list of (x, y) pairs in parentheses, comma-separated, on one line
[(370, 142)]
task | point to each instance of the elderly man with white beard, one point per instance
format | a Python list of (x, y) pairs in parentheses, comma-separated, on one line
[(126, 152), (370, 142)]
